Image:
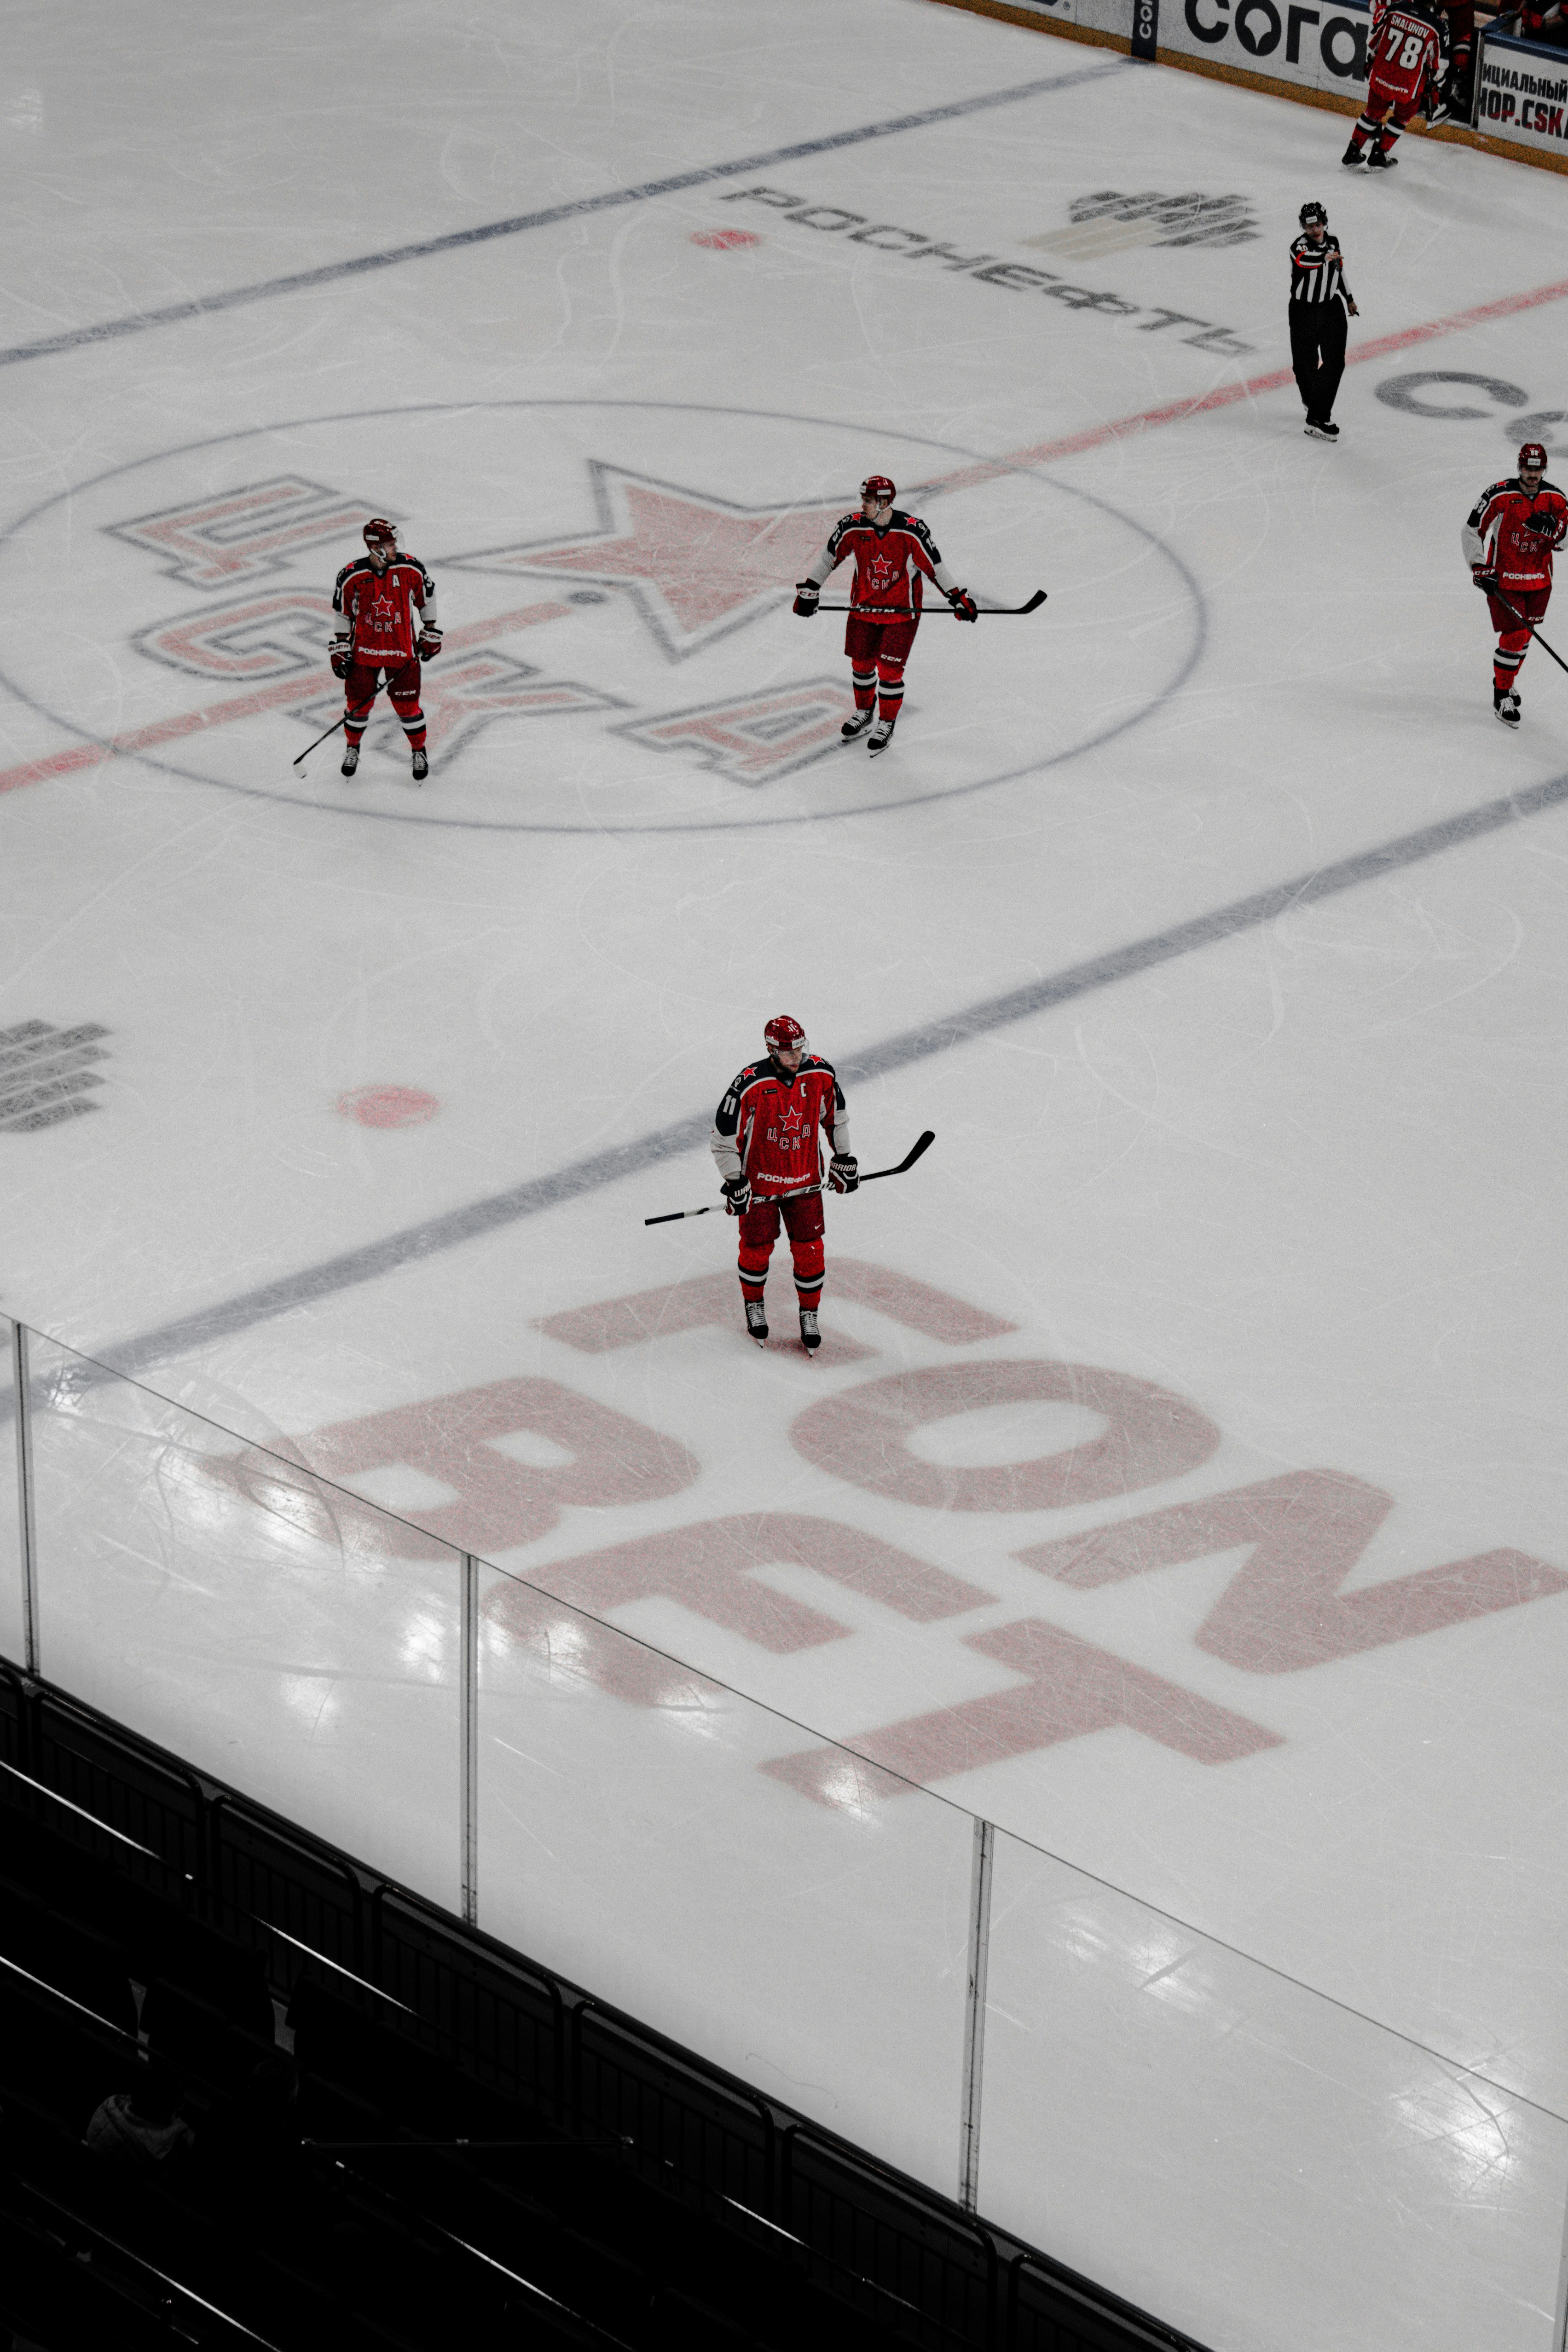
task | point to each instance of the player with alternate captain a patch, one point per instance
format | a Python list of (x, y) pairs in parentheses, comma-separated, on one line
[(1508, 539), (767, 1139), (894, 556), (1405, 56), (386, 607)]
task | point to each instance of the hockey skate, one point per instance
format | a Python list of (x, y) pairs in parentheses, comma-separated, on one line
[(421, 767), (1505, 705), (1322, 428), (757, 1321), (810, 1337), (882, 736), (1380, 160), (853, 729), (1353, 153), (351, 759)]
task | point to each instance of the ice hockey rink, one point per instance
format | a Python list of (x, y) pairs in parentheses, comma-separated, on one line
[(1181, 1487)]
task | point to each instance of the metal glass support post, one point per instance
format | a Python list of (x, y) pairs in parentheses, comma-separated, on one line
[(1560, 2321), (975, 2015), (25, 1495), (469, 1732)]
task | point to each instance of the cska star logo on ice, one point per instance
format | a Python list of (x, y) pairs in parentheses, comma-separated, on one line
[(694, 566)]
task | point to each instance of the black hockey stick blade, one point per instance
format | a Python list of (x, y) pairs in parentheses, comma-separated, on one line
[(907, 1162), (319, 741), (673, 1216)]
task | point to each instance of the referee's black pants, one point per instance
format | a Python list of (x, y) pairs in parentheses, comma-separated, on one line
[(1318, 353)]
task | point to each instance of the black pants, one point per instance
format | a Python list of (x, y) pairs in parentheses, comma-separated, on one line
[(1318, 353)]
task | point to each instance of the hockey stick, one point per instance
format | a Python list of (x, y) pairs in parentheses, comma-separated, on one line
[(901, 613), (1524, 623), (320, 739), (924, 1142)]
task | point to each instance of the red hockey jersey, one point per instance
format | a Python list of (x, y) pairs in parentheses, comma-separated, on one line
[(771, 1125), (1503, 515), (384, 611), (1403, 56), (891, 561)]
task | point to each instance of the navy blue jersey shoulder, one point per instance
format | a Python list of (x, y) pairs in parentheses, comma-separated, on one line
[(1493, 491)]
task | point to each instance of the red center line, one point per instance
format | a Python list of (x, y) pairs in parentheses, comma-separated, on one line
[(1172, 412), (995, 469), (304, 687)]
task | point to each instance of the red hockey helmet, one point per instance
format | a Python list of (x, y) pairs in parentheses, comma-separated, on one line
[(877, 486), (379, 532), (782, 1034), (1531, 458)]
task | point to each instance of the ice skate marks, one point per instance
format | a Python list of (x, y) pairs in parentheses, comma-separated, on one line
[(47, 1074)]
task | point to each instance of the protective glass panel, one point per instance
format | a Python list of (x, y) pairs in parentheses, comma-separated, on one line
[(1263, 2169), (13, 1632), (803, 1927), (285, 1636)]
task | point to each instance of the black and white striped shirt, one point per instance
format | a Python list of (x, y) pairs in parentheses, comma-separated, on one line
[(1318, 271)]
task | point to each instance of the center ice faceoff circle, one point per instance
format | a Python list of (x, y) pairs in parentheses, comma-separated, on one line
[(614, 581)]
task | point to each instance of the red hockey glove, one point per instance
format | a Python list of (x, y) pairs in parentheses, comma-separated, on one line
[(737, 1191), (843, 1172), (340, 653), (1552, 528), (1484, 578), (428, 645), (806, 594), (963, 604)]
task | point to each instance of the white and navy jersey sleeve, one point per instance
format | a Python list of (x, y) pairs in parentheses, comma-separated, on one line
[(833, 554), (1482, 521), (938, 571), (727, 1142), (838, 1122), (426, 599)]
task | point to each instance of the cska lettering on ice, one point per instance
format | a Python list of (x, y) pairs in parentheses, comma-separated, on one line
[(765, 1144), (894, 555)]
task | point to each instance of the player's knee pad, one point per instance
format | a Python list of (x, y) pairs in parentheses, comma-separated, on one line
[(809, 1259), (890, 671)]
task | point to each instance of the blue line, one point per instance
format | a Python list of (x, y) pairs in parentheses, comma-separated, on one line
[(332, 273), (938, 1036)]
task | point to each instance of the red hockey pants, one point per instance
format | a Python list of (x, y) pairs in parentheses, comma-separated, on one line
[(402, 691), (878, 651), (760, 1229), (1513, 642)]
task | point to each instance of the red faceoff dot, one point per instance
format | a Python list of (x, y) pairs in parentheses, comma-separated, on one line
[(721, 240), (388, 1106)]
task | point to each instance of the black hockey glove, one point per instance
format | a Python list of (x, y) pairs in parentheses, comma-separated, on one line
[(429, 644), (737, 1191), (963, 604), (843, 1172), (1552, 528), (340, 653), (1484, 578), (806, 594)]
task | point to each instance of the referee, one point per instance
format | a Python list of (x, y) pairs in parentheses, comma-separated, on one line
[(1320, 300)]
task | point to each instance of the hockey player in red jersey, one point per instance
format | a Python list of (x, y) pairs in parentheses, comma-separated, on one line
[(1508, 538), (894, 556), (1404, 59), (377, 597), (767, 1140)]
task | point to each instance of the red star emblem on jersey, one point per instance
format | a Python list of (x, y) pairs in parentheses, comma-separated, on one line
[(694, 566), (791, 1122)]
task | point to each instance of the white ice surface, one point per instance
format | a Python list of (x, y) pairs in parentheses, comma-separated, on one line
[(1304, 1176)]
